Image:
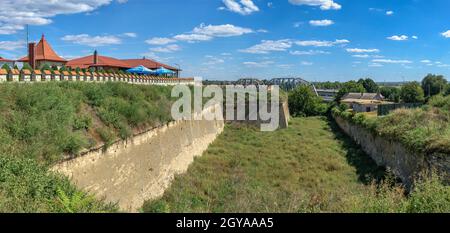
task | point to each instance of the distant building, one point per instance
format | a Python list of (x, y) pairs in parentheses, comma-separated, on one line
[(98, 62), (8, 62), (151, 64), (364, 102), (42, 54)]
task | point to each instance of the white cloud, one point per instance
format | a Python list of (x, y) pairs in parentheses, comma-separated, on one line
[(316, 43), (324, 4), (446, 34), (213, 60), (361, 56), (321, 23), (398, 38), (166, 49), (92, 41), (258, 64), (244, 7), (12, 45), (306, 63), (389, 12), (425, 61), (298, 24), (389, 61), (191, 38), (415, 37), (267, 46), (160, 41), (225, 30), (309, 52), (357, 50), (130, 34), (15, 14), (375, 65)]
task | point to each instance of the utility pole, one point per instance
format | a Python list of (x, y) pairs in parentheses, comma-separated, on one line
[(28, 39)]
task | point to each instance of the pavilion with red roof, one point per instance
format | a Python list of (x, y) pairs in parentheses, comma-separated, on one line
[(44, 54), (98, 62)]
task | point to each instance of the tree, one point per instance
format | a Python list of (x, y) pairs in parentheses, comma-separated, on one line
[(447, 89), (391, 93), (369, 85), (433, 84), (303, 102), (45, 67), (348, 87), (54, 67), (412, 93), (26, 66), (6, 67)]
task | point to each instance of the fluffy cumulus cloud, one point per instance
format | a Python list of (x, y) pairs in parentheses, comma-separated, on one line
[(11, 45), (323, 4), (398, 38), (92, 41), (357, 50), (321, 23), (446, 34), (321, 43), (191, 38), (225, 30), (15, 14), (166, 49), (159, 41), (243, 7), (267, 46)]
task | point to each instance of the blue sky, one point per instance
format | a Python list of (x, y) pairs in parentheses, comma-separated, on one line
[(320, 40)]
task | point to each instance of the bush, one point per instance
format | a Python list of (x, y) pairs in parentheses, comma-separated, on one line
[(412, 93), (433, 84), (27, 187), (303, 102), (429, 196)]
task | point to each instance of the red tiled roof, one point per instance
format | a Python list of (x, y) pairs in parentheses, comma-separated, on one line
[(3, 72), (37, 72), (47, 72), (27, 72), (151, 64), (44, 52), (5, 60), (88, 61)]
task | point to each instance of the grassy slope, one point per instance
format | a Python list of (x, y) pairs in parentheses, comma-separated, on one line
[(40, 123), (310, 167)]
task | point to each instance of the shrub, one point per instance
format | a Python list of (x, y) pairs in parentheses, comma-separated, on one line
[(107, 136), (303, 102), (26, 186), (429, 196), (433, 84), (412, 93)]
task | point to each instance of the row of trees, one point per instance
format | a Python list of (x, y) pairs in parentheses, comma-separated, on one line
[(412, 92)]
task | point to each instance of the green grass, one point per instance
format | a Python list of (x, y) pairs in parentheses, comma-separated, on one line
[(425, 129), (309, 167), (43, 122), (304, 168)]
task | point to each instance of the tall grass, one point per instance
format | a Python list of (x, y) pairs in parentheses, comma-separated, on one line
[(44, 121), (309, 167)]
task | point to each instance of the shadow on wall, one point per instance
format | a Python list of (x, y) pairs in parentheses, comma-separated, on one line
[(366, 168)]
